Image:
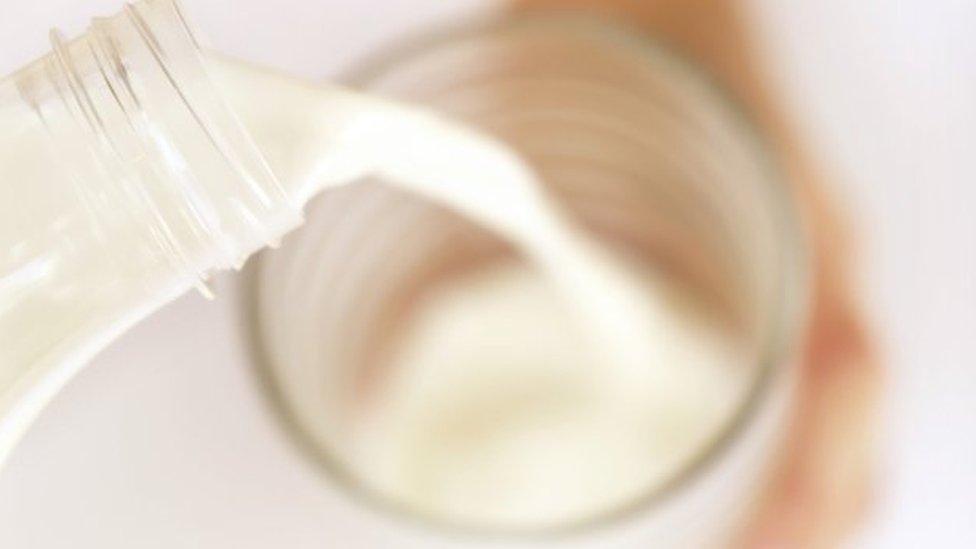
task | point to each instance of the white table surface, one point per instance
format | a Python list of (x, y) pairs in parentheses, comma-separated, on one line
[(164, 441)]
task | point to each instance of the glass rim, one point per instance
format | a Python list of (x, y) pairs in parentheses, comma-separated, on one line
[(789, 314)]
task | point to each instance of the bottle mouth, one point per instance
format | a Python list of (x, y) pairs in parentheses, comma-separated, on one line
[(132, 108)]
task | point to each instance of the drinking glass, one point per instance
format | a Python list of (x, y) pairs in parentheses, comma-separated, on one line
[(642, 150)]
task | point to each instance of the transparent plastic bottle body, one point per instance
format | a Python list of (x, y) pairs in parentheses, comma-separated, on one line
[(124, 180)]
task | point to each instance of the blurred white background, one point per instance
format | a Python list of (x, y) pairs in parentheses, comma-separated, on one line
[(164, 441)]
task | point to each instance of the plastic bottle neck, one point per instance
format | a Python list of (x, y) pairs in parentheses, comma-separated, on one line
[(145, 135)]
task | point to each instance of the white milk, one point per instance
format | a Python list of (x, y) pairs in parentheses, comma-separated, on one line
[(494, 418), (604, 382), (75, 276)]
